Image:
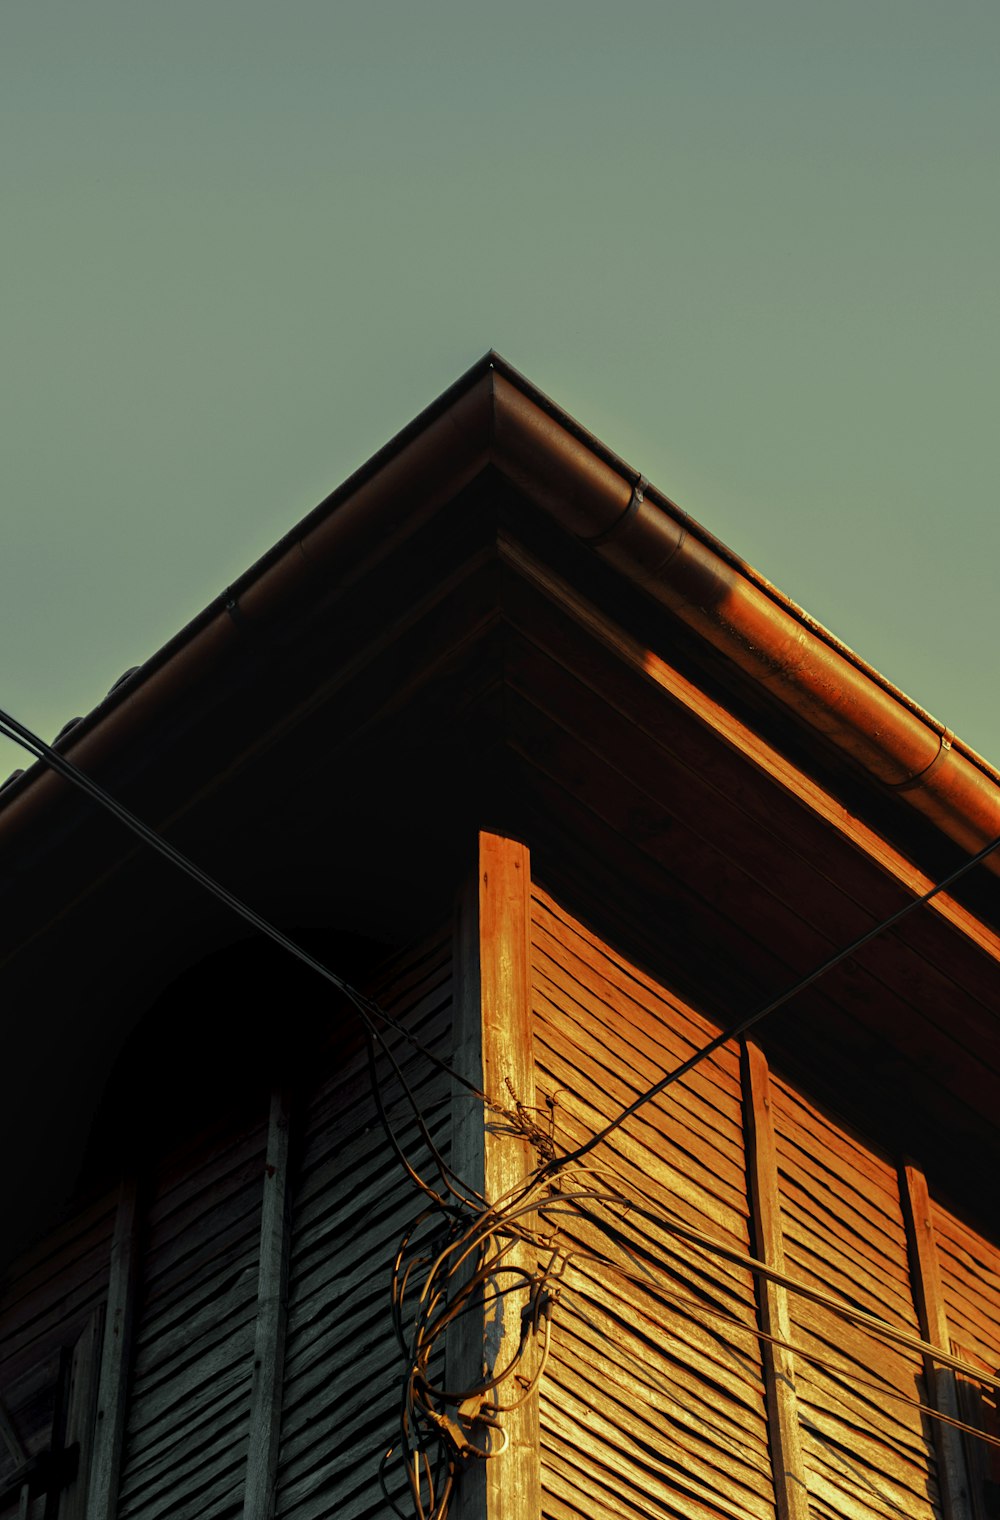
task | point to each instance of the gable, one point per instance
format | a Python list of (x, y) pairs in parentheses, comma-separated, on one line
[(497, 622)]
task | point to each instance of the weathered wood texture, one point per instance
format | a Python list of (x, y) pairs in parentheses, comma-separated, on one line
[(970, 1288), (51, 1301), (81, 1415), (187, 1434), (651, 1406), (867, 1455), (791, 1492), (939, 1381), (352, 1204), (494, 1050), (116, 1356), (751, 866), (970, 1284), (272, 1314)]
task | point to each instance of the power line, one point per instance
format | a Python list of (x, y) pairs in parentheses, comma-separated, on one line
[(847, 1375), (743, 1025), (493, 1230), (366, 1006), (372, 1014), (369, 1010)]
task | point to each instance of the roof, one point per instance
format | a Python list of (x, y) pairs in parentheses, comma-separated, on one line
[(493, 415), (497, 622)]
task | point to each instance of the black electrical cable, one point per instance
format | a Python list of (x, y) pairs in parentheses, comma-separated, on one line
[(847, 1375), (366, 1006), (30, 741), (443, 1427), (372, 1014), (494, 1229), (743, 1025)]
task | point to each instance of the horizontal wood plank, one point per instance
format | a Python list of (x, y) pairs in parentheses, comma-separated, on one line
[(604, 1032)]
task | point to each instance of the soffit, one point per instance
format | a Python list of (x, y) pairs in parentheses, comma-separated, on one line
[(431, 654)]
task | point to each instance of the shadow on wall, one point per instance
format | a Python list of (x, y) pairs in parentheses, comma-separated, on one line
[(216, 1042)]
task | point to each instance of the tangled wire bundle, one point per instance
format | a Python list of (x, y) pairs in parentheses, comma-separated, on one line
[(470, 1266), (467, 1266), (462, 1268), (475, 1261)]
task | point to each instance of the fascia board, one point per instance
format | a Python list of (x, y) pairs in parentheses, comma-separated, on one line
[(819, 683), (492, 416)]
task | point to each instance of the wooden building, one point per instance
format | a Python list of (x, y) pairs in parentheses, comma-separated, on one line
[(508, 742)]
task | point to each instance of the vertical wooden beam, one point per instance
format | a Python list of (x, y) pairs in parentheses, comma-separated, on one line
[(58, 1443), (790, 1490), (272, 1316), (10, 1437), (494, 1050), (81, 1413), (112, 1397), (925, 1277)]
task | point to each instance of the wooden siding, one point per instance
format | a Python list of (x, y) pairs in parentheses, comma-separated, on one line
[(970, 1281), (352, 1205), (186, 1439), (51, 1304), (651, 1405), (866, 1453), (658, 1400), (493, 1051)]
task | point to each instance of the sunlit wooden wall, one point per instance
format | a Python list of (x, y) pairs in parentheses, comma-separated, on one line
[(660, 1398), (214, 1338)]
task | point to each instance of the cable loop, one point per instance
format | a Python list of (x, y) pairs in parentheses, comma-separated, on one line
[(465, 1254)]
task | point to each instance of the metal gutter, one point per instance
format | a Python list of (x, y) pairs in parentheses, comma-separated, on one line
[(494, 416), (645, 537), (396, 490)]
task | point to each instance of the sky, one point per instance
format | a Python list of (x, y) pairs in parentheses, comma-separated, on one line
[(752, 245)]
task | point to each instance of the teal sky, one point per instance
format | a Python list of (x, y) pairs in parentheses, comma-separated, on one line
[(753, 246)]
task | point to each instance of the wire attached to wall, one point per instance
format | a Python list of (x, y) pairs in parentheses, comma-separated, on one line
[(743, 1026), (468, 1272), (465, 1255), (373, 1015), (375, 1020)]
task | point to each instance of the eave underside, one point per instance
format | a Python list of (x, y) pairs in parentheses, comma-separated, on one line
[(336, 774)]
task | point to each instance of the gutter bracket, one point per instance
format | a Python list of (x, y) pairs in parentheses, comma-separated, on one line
[(945, 741), (639, 489)]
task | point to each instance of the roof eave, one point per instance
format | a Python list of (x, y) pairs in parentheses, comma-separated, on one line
[(493, 416)]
